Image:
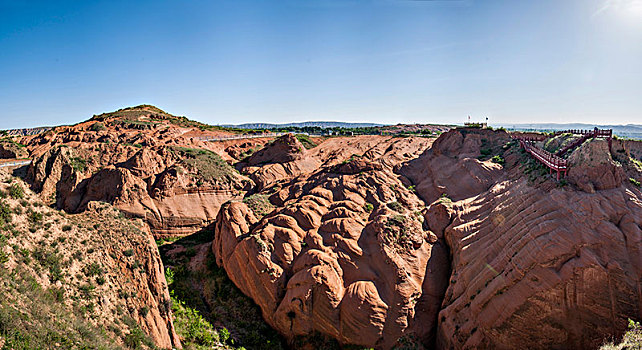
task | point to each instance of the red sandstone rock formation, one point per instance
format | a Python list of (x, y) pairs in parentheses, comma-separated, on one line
[(345, 254)]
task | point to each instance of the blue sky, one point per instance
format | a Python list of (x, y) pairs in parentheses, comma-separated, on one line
[(385, 61)]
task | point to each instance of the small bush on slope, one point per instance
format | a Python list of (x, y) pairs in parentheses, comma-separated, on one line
[(632, 338), (229, 319), (208, 165), (259, 204), (305, 141)]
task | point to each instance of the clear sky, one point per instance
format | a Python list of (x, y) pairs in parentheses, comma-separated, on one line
[(388, 61)]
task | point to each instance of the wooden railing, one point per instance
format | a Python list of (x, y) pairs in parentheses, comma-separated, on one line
[(551, 161), (586, 134), (555, 162), (597, 132)]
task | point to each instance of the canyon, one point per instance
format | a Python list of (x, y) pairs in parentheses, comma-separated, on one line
[(453, 241)]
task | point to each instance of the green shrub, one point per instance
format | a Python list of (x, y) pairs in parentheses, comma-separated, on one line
[(128, 252), (93, 269), (208, 165), (4, 257), (16, 191), (143, 311), (5, 213), (259, 203), (192, 326), (305, 141), (396, 206), (78, 164), (368, 207), (87, 290), (445, 199), (634, 182), (135, 338), (485, 151), (97, 126), (66, 228), (632, 339), (35, 217), (498, 159), (51, 260)]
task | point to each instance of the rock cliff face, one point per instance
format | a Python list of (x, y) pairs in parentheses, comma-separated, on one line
[(543, 268), (593, 168), (344, 254), (11, 150), (452, 166), (283, 159), (528, 263)]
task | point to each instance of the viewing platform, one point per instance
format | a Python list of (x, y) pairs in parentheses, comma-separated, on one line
[(555, 162)]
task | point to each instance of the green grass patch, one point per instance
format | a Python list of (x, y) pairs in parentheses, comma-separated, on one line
[(239, 324), (98, 126), (305, 141), (16, 191), (208, 165), (498, 159), (259, 203), (632, 339), (396, 206), (78, 164)]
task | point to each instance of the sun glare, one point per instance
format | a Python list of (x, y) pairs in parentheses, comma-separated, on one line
[(629, 10)]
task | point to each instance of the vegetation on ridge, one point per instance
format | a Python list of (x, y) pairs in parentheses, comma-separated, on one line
[(50, 277), (209, 309), (208, 166)]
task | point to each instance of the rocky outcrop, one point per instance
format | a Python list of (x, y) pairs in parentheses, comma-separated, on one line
[(27, 131), (345, 255), (285, 149), (592, 168), (281, 160), (11, 150), (452, 167), (176, 191)]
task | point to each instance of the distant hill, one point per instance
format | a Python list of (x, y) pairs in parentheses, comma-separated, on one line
[(301, 125), (25, 131), (633, 131)]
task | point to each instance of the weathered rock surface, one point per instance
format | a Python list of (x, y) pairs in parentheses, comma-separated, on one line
[(592, 167), (345, 255), (451, 166), (175, 190), (283, 159), (542, 269), (10, 150), (380, 241)]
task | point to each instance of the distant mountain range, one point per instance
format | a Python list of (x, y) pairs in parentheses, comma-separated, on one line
[(301, 125), (633, 131)]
